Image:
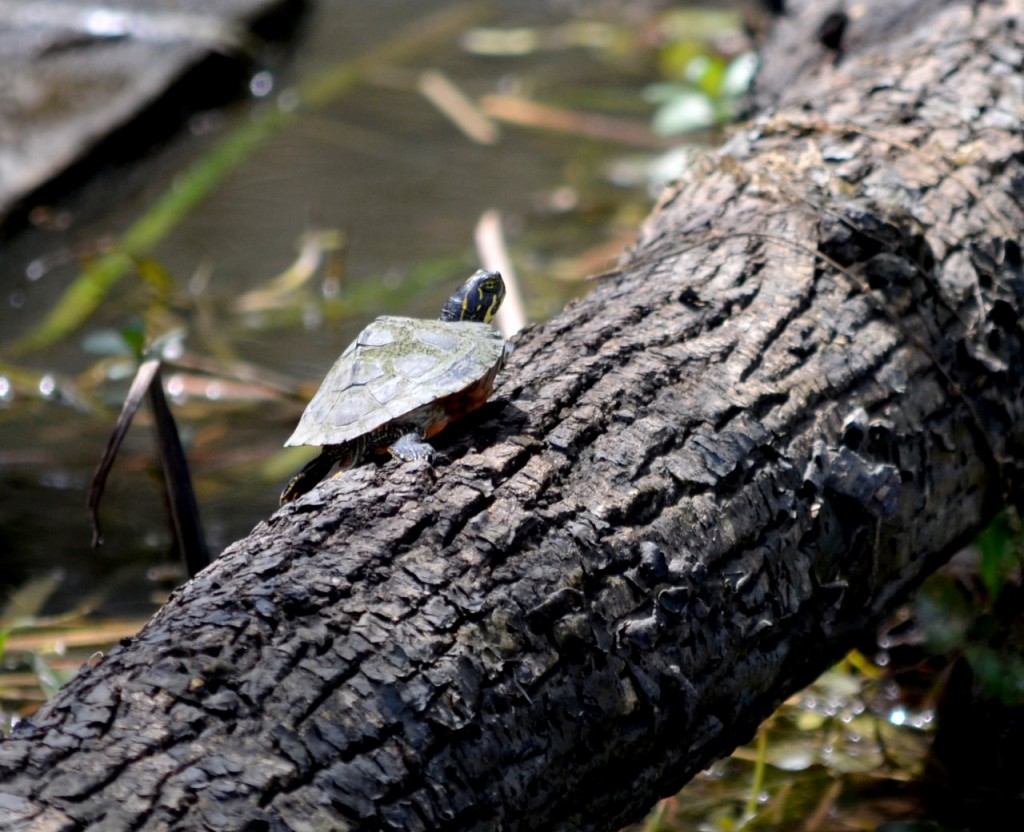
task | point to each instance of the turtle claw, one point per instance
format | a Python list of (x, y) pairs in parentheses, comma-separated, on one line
[(410, 446)]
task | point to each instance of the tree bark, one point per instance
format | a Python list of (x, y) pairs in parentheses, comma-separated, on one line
[(693, 491)]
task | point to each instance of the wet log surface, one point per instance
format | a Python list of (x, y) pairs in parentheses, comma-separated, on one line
[(693, 491)]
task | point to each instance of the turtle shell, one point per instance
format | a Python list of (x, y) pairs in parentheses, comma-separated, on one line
[(405, 370)]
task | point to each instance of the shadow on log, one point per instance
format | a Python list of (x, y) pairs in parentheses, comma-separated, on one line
[(692, 491)]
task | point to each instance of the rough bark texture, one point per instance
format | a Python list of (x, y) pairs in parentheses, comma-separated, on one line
[(694, 489)]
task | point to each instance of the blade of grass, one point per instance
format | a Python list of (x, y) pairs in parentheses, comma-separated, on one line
[(181, 495), (147, 371), (181, 498), (86, 293), (91, 634), (757, 783), (27, 600)]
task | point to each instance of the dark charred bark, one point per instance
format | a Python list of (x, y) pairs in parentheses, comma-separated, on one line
[(693, 491)]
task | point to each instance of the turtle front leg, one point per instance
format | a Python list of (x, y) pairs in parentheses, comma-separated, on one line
[(410, 446)]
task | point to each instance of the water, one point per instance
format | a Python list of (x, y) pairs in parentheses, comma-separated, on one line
[(383, 167)]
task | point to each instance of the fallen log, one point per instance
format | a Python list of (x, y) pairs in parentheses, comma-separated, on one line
[(693, 491)]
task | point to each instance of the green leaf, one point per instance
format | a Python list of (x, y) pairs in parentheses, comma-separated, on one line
[(999, 555)]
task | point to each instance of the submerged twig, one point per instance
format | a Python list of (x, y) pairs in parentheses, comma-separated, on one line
[(316, 245), (528, 113), (442, 92), (493, 253)]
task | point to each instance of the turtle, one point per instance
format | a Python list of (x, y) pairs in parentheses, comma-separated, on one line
[(401, 381)]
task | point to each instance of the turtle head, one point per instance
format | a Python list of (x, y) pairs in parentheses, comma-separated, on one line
[(477, 299)]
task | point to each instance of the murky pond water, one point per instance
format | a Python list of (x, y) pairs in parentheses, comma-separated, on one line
[(383, 168)]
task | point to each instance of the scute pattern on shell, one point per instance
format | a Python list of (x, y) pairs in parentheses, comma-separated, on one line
[(393, 369)]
